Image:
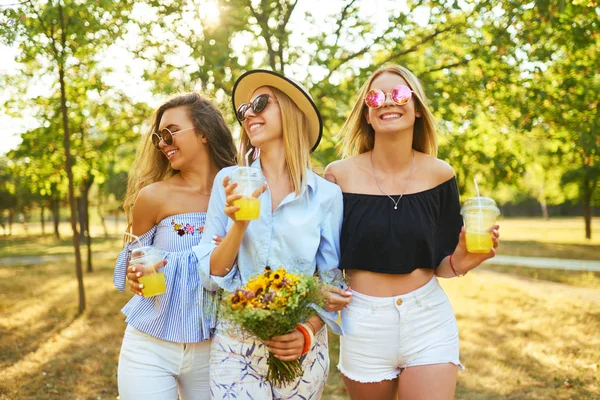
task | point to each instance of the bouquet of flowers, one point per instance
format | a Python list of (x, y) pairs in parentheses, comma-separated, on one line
[(271, 304)]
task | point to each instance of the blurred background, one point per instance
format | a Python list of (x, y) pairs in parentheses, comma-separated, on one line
[(513, 84)]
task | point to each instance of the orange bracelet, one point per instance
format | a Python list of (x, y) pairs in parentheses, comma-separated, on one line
[(307, 338)]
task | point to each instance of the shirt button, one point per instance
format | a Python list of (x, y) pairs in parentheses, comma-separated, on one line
[(399, 302)]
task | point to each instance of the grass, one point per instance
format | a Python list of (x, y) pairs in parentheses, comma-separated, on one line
[(583, 279), (519, 339), (525, 340), (19, 246), (555, 230), (554, 238), (46, 351)]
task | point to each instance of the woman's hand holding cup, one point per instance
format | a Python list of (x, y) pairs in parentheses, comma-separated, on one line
[(136, 271), (231, 196), (463, 261)]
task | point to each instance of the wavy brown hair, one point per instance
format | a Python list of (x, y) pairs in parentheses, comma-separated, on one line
[(152, 166)]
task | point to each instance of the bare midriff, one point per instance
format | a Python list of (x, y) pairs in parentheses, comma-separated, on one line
[(377, 284)]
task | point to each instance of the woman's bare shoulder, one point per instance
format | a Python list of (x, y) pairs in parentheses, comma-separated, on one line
[(154, 196), (339, 171), (439, 170)]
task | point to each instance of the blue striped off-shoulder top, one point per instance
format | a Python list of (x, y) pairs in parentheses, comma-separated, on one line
[(186, 313)]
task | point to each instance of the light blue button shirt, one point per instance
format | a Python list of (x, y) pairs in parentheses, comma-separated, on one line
[(302, 234)]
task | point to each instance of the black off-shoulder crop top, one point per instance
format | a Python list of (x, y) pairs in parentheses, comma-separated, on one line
[(419, 234)]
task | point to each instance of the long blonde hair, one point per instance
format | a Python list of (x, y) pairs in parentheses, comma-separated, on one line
[(359, 137), (295, 139), (151, 165)]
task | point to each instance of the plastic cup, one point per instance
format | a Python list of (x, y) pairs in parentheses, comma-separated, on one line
[(249, 179), (153, 281), (479, 215)]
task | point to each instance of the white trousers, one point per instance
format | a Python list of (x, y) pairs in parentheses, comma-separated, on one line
[(154, 369)]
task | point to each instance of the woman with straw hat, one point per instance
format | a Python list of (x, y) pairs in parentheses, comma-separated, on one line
[(298, 228)]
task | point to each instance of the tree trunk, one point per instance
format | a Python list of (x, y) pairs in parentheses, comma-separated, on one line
[(544, 206), (11, 215), (101, 212), (81, 217), (86, 220), (24, 222), (69, 162), (42, 220), (56, 216), (587, 207), (543, 202)]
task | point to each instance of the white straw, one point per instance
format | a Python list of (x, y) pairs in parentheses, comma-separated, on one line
[(247, 155), (480, 214), (248, 185), (135, 237)]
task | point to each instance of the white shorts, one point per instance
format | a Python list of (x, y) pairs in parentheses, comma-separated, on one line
[(383, 335)]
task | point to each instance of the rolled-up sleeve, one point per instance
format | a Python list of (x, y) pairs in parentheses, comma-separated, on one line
[(328, 255), (120, 273), (216, 225)]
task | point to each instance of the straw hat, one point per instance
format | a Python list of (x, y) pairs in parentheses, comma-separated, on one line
[(252, 80)]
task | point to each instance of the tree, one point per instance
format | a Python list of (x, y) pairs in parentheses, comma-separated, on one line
[(52, 36), (8, 200), (565, 81)]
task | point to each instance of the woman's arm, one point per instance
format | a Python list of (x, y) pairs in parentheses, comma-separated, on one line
[(216, 263), (145, 209), (223, 257), (145, 213), (337, 297), (462, 261)]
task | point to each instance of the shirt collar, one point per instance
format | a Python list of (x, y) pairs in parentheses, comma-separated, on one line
[(311, 181)]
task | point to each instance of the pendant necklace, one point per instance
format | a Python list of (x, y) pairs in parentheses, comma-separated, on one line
[(194, 190), (412, 161)]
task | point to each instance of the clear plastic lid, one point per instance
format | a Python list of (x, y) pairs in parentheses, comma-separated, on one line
[(251, 173), (145, 252), (248, 179), (478, 204)]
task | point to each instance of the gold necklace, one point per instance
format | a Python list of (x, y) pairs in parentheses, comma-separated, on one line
[(412, 161), (194, 190)]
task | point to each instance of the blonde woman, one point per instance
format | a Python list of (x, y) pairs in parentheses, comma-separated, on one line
[(166, 347), (401, 229), (298, 228)]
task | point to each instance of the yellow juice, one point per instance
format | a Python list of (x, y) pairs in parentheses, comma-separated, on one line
[(479, 242), (249, 208), (154, 284)]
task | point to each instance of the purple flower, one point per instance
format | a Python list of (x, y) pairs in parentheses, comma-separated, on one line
[(269, 296), (181, 232)]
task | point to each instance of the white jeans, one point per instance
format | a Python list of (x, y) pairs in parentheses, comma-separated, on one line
[(154, 369)]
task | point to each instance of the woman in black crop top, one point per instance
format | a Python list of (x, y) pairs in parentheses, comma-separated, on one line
[(402, 229)]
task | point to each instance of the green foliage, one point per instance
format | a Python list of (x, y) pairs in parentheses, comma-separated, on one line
[(514, 85)]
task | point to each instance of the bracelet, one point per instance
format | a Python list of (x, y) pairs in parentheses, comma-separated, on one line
[(308, 337), (313, 330), (454, 270)]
